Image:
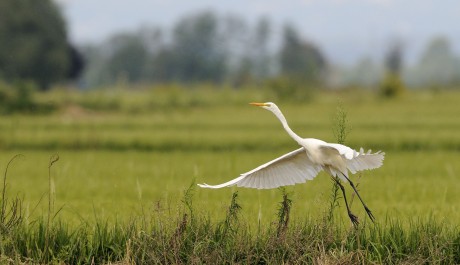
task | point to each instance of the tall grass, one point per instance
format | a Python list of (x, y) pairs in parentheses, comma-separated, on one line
[(284, 211), (340, 131), (188, 236), (11, 212)]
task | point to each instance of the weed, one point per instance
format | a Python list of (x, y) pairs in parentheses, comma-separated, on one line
[(13, 216), (51, 194), (231, 219), (284, 210), (340, 131)]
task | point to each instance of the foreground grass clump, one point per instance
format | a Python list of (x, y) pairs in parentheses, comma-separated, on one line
[(189, 237)]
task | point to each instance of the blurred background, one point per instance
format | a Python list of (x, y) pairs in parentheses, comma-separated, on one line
[(384, 45)]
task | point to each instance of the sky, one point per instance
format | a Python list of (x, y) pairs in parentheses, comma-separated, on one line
[(346, 30)]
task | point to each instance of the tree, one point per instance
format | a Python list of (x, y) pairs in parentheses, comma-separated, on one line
[(77, 63), (199, 52), (392, 84), (33, 42), (128, 58), (394, 58), (438, 64), (365, 73), (261, 56), (249, 52), (299, 59)]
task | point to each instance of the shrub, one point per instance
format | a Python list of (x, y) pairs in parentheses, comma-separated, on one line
[(392, 86), (19, 97)]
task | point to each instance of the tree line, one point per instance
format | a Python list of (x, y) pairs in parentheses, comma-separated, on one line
[(438, 66), (200, 47), (204, 47)]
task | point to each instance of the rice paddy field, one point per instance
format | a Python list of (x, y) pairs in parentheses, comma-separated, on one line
[(128, 157)]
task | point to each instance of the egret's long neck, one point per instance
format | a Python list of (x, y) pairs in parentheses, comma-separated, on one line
[(281, 117)]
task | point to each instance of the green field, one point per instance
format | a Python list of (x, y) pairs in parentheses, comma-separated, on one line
[(136, 159), (111, 163)]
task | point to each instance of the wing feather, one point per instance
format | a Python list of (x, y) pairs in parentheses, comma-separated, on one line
[(365, 161), (289, 169), (357, 161)]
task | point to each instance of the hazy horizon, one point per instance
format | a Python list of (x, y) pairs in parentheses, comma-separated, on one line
[(345, 30)]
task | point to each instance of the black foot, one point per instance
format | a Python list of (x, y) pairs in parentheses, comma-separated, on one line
[(369, 213), (354, 219)]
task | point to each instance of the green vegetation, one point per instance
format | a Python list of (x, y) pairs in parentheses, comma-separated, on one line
[(188, 238), (116, 194), (34, 45), (20, 98)]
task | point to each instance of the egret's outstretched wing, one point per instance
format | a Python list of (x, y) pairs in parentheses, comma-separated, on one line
[(357, 161), (363, 161), (289, 169)]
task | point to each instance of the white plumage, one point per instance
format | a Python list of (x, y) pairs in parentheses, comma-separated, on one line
[(289, 169), (305, 163)]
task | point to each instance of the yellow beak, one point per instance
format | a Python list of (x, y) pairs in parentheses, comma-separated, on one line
[(257, 104)]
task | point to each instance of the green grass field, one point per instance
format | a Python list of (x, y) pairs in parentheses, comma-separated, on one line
[(137, 159)]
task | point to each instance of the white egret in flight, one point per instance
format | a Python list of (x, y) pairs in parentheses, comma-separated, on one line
[(306, 162)]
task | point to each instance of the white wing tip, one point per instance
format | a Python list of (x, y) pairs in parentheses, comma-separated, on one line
[(369, 152)]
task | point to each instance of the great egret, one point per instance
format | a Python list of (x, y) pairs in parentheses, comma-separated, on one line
[(306, 162)]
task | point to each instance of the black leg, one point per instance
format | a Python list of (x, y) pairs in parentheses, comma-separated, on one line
[(368, 211), (353, 218)]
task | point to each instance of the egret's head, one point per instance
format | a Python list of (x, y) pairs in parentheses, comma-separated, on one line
[(267, 105)]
